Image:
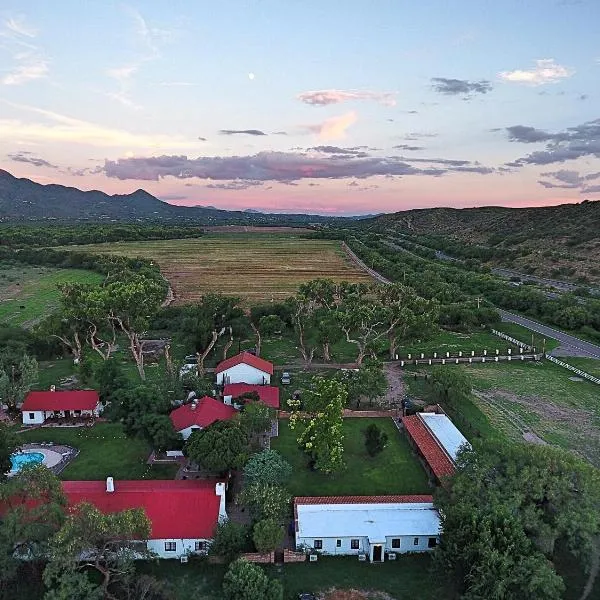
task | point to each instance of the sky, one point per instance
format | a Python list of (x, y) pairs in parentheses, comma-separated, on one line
[(319, 106)]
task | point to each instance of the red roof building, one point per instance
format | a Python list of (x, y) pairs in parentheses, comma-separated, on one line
[(201, 413), (248, 359), (268, 394), (61, 400), (438, 460), (177, 509)]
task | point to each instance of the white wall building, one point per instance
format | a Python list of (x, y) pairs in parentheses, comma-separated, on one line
[(40, 406), (200, 413), (244, 368), (374, 526)]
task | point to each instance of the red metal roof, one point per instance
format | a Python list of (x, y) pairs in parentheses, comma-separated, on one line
[(177, 509), (248, 359), (269, 394), (437, 459), (62, 400), (362, 499), (207, 411)]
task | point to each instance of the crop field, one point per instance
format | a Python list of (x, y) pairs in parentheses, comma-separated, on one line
[(255, 268), (29, 293)]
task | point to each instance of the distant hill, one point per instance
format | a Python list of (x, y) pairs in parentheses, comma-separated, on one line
[(556, 241), (26, 200)]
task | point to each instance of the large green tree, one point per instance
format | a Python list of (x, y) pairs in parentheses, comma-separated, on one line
[(320, 424), (108, 544), (220, 447), (229, 540), (450, 386), (266, 501), (245, 581), (267, 467), (16, 380), (8, 444), (368, 382), (267, 535), (256, 417)]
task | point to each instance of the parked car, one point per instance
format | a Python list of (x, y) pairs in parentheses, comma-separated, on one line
[(285, 378), (306, 596), (190, 359)]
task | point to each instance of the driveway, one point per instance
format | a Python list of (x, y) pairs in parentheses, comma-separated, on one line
[(569, 344)]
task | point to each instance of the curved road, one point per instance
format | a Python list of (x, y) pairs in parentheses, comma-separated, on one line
[(569, 344)]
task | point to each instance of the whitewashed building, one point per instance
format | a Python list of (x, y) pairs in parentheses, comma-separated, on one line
[(40, 406), (244, 368), (183, 513), (375, 527), (200, 413)]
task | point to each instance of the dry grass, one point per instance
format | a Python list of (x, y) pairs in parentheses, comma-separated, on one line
[(256, 268)]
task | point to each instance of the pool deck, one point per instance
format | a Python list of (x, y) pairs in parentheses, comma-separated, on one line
[(56, 457)]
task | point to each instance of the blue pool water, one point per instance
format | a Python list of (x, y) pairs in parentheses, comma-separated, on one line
[(20, 459)]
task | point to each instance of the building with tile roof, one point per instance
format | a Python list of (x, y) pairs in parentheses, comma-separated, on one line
[(244, 368)]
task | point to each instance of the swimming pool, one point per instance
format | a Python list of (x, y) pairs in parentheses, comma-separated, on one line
[(20, 459)]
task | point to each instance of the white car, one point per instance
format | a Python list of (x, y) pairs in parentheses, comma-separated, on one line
[(285, 378)]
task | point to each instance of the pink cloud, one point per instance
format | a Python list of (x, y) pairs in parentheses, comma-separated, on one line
[(326, 97)]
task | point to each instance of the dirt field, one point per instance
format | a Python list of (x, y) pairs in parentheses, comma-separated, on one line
[(254, 229), (256, 268)]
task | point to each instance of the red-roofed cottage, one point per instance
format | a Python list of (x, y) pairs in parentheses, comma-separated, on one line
[(39, 406), (244, 368), (268, 394), (199, 414), (183, 513), (376, 527)]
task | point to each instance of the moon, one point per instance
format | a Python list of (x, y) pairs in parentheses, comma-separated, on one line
[(250, 76)]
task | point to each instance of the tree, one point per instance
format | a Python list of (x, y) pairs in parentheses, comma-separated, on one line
[(131, 405), (450, 386), (109, 378), (218, 448), (375, 439), (8, 444), (302, 311), (267, 467), (255, 417), (16, 381), (105, 542), (270, 325), (159, 432), (267, 535), (229, 540), (245, 581), (368, 382), (321, 424), (33, 511), (266, 501), (327, 330)]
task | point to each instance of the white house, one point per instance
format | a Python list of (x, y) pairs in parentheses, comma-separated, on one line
[(244, 368), (42, 405), (373, 526), (198, 414), (183, 513)]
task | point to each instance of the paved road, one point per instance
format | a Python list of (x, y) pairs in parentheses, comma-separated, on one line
[(569, 344)]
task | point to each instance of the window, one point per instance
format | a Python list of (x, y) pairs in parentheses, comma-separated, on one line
[(170, 546), (338, 544), (432, 543), (199, 546), (31, 416), (355, 544), (396, 543), (416, 542), (318, 545)]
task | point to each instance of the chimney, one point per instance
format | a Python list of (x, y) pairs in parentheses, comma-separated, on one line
[(220, 491), (194, 404), (110, 485), (52, 388)]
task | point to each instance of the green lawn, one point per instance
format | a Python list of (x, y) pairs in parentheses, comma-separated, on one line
[(394, 471), (29, 293), (103, 451), (527, 336), (407, 578), (589, 365)]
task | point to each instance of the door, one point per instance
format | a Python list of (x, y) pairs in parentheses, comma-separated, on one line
[(377, 554)]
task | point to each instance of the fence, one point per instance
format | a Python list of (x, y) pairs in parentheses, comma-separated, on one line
[(469, 359), (574, 369), (512, 340), (288, 556)]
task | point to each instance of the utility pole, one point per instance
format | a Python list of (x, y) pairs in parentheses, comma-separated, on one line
[(479, 300)]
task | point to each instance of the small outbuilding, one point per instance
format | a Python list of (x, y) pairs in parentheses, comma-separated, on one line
[(267, 394), (199, 414), (39, 406), (374, 527), (244, 368)]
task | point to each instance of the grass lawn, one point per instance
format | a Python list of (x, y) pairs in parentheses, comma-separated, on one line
[(103, 451), (394, 471), (408, 577), (255, 268), (29, 293), (527, 336), (589, 365)]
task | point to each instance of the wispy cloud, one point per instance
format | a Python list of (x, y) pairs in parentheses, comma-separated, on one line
[(408, 147), (545, 71), (27, 157), (282, 167), (333, 128), (460, 87), (326, 97), (29, 62), (53, 126), (566, 179), (241, 132)]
